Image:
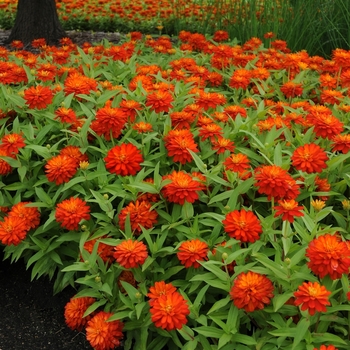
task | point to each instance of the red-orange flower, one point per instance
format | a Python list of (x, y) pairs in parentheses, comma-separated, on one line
[(60, 169), (325, 347), (328, 256), (105, 251), (325, 125), (130, 254), (159, 289), (310, 158), (341, 143), (79, 84), (30, 215), (71, 211), (13, 230), (220, 35), (289, 209), (237, 163), (242, 225), (251, 291), (312, 297), (178, 142), (142, 127), (183, 188), (74, 311), (222, 144), (75, 153), (291, 89), (38, 96), (10, 143), (210, 131), (65, 115), (124, 159), (109, 122), (169, 311), (159, 101), (5, 168), (140, 214), (191, 251), (275, 182), (103, 335)]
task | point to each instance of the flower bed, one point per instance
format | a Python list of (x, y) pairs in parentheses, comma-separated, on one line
[(195, 193)]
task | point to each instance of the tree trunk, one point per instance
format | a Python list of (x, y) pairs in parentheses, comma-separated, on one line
[(36, 19)]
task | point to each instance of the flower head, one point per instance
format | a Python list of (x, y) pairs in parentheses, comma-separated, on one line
[(328, 256), (242, 225), (275, 182), (124, 159), (11, 143), (130, 254), (183, 188), (169, 311), (325, 347), (30, 215), (289, 209), (159, 289), (237, 163), (140, 214), (310, 158), (251, 291), (341, 143), (192, 251), (178, 142), (13, 230), (38, 97), (71, 211), (104, 335), (312, 297), (74, 311), (5, 168), (159, 101), (60, 169)]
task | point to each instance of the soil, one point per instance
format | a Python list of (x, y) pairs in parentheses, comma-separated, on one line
[(30, 316)]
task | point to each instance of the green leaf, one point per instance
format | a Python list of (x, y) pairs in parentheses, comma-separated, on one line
[(219, 304), (199, 163), (208, 331), (301, 329)]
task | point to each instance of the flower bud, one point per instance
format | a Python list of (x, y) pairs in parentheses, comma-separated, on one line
[(105, 196), (224, 256)]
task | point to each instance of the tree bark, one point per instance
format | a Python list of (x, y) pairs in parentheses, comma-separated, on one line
[(36, 19)]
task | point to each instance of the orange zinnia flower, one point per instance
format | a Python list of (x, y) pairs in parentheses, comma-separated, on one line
[(140, 215), (341, 143), (13, 230), (237, 163), (11, 143), (130, 254), (312, 297), (291, 89), (124, 159), (191, 251), (65, 115), (30, 215), (289, 209), (310, 158), (328, 256), (109, 122), (105, 251), (159, 101), (325, 125), (104, 335), (159, 289), (130, 108), (38, 96), (178, 142), (142, 127), (71, 211), (220, 35), (182, 188), (79, 84), (251, 291), (275, 182), (221, 145), (74, 311), (210, 131), (169, 311), (242, 225), (60, 169), (75, 153), (5, 168), (182, 120), (325, 347)]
